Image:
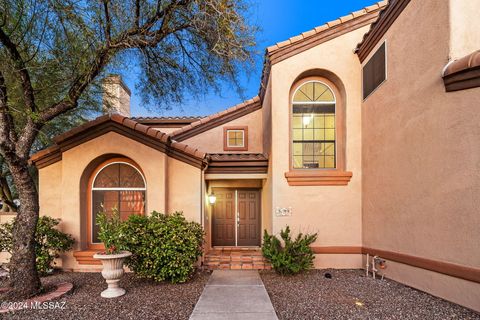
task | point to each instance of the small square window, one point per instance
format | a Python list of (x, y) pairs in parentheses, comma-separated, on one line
[(235, 138)]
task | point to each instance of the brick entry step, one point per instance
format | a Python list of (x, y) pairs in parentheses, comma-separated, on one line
[(228, 258)]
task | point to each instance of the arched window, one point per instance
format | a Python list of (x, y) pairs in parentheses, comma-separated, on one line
[(313, 126), (117, 183)]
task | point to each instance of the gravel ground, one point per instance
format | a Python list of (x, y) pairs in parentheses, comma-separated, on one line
[(144, 299), (350, 295)]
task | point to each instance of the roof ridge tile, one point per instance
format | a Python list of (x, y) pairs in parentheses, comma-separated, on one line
[(327, 25), (217, 115)]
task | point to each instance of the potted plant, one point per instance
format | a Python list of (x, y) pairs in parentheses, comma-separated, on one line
[(112, 258)]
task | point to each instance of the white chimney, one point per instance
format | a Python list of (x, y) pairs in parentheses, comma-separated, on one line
[(116, 96)]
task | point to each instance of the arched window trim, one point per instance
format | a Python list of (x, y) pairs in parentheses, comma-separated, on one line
[(320, 176), (301, 84), (91, 189), (298, 86), (121, 189)]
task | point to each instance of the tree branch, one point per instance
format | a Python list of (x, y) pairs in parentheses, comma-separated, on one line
[(108, 22), (15, 56), (7, 128), (78, 87), (132, 38), (137, 14)]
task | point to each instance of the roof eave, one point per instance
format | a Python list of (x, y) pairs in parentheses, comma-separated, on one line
[(124, 126)]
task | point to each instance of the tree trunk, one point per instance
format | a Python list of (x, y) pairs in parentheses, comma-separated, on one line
[(24, 278)]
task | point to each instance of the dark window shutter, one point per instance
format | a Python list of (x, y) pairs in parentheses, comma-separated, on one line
[(374, 72)]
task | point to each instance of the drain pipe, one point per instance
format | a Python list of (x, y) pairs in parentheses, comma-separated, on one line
[(373, 266), (367, 265)]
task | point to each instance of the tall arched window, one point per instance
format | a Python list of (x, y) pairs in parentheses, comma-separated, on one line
[(117, 183), (313, 125)]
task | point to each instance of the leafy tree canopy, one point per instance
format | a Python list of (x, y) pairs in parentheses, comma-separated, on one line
[(53, 54)]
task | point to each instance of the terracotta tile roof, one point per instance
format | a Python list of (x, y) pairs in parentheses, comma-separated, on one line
[(463, 73), (330, 30), (307, 34), (107, 123), (167, 118), (387, 17), (237, 163), (237, 157), (44, 152), (216, 119), (470, 61), (180, 120)]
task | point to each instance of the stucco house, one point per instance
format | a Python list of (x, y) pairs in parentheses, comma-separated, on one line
[(365, 130)]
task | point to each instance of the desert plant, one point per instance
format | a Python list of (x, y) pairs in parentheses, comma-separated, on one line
[(294, 256), (49, 242), (164, 247), (109, 230)]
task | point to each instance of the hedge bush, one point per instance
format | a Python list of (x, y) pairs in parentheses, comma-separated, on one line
[(49, 242), (164, 247), (294, 256)]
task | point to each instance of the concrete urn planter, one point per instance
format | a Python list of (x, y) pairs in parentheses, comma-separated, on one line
[(112, 272)]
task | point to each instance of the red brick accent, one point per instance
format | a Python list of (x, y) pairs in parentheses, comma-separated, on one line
[(236, 259)]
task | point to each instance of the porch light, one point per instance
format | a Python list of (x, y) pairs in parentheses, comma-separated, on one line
[(212, 198)]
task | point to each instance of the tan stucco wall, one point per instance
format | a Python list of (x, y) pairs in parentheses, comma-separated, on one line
[(60, 183), (50, 192), (211, 141), (334, 212), (267, 212), (421, 157), (464, 28), (184, 189)]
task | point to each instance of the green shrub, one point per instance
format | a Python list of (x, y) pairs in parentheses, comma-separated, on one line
[(164, 247), (294, 256), (49, 242), (109, 230)]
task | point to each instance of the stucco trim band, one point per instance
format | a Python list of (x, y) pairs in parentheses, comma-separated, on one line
[(463, 73), (318, 178), (380, 27), (447, 268), (337, 250)]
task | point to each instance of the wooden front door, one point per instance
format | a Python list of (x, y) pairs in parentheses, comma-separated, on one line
[(223, 225), (236, 217)]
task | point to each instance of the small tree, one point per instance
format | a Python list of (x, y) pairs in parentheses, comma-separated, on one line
[(53, 52)]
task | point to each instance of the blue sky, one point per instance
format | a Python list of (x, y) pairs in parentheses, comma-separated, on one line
[(278, 21)]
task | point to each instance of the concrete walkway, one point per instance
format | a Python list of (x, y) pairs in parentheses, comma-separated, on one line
[(234, 294)]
